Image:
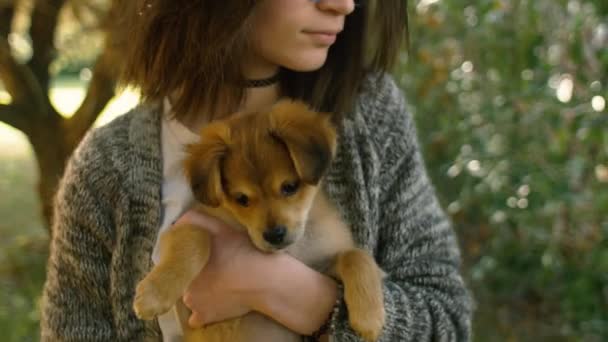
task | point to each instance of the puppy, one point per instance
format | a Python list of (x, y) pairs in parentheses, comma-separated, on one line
[(261, 172)]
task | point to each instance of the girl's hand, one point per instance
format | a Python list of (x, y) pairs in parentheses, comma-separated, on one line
[(229, 283), (239, 278)]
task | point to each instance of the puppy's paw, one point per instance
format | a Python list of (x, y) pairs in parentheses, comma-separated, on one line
[(366, 313), (368, 324), (152, 299)]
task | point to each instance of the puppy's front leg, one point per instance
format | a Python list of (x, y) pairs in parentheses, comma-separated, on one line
[(362, 279), (184, 251)]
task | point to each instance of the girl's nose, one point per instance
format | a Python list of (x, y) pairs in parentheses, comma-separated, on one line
[(342, 7)]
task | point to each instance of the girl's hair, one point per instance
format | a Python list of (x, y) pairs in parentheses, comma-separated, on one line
[(193, 48)]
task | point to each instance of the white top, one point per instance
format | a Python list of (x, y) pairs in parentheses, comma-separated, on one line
[(176, 197)]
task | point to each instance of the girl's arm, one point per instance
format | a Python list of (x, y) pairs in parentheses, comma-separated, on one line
[(425, 297), (294, 294), (75, 304)]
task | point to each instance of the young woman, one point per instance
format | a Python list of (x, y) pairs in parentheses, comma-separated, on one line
[(196, 60)]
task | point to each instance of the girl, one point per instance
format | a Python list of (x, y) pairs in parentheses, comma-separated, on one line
[(196, 60)]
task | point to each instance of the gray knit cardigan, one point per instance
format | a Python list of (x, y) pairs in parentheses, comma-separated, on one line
[(108, 212)]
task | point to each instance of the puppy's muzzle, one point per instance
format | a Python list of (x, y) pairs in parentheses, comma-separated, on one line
[(276, 236)]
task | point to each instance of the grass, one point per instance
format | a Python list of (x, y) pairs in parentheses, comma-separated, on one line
[(23, 247)]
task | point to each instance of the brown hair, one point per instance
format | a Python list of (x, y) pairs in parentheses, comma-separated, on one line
[(194, 47)]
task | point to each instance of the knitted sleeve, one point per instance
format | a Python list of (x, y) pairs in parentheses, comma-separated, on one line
[(424, 295), (75, 305)]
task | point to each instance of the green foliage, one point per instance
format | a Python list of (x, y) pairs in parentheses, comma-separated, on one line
[(22, 272), (502, 92)]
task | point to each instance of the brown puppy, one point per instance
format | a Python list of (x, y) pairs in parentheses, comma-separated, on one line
[(261, 172)]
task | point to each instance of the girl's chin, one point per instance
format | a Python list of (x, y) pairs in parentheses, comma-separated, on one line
[(306, 62)]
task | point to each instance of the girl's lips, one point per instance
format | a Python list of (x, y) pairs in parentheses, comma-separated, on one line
[(321, 37)]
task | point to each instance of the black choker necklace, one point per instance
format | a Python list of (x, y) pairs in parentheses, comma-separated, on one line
[(263, 82)]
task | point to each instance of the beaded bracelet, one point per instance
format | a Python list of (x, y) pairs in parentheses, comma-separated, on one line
[(329, 325)]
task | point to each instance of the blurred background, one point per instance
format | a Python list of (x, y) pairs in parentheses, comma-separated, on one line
[(510, 101)]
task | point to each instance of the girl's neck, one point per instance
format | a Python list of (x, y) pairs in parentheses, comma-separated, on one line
[(259, 98), (255, 99)]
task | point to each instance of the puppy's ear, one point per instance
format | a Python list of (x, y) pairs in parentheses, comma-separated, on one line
[(203, 163), (309, 137)]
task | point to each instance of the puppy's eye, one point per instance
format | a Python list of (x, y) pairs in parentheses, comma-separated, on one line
[(289, 188), (242, 200)]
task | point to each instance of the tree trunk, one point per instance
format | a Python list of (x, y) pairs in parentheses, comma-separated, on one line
[(51, 150), (52, 137)]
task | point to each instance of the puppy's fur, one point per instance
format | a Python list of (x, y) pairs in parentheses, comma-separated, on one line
[(261, 171)]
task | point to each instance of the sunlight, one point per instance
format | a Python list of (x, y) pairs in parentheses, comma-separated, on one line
[(12, 142), (5, 97)]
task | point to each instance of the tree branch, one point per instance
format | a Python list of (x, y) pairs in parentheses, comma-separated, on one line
[(100, 91), (42, 31), (19, 80), (12, 116), (7, 12)]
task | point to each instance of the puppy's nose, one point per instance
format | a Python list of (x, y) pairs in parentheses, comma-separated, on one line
[(275, 235)]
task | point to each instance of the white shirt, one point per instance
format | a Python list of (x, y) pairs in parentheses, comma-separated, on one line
[(176, 197)]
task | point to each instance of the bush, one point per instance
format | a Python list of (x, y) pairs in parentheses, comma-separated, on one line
[(510, 101)]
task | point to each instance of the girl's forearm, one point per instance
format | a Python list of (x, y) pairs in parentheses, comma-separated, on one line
[(295, 295)]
